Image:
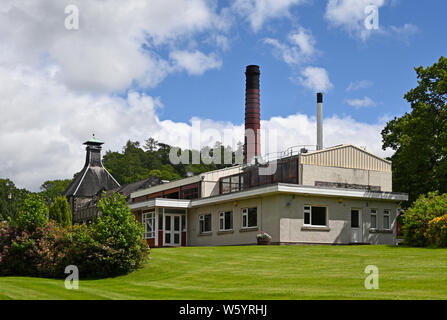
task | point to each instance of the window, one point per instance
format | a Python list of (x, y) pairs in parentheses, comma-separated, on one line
[(226, 221), (149, 224), (373, 218), (355, 218), (249, 217), (225, 185), (315, 216), (386, 219), (235, 183), (205, 223)]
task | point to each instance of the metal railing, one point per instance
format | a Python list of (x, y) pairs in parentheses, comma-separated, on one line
[(289, 152)]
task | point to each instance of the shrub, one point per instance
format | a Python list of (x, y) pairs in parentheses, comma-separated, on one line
[(34, 246), (263, 236), (416, 219), (34, 214), (118, 244), (60, 211), (436, 233)]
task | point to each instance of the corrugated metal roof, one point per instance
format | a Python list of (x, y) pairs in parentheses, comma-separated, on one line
[(346, 156)]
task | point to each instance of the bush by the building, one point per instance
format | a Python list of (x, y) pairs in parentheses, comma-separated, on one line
[(417, 218), (36, 246), (436, 233)]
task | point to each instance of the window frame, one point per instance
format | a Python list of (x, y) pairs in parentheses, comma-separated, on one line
[(202, 219), (310, 216), (245, 213), (373, 213), (386, 213), (144, 219), (222, 218)]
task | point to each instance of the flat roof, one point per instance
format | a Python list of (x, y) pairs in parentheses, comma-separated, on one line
[(274, 189)]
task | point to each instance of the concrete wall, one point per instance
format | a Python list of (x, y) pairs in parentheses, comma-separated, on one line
[(268, 221), (339, 220), (311, 173), (282, 216)]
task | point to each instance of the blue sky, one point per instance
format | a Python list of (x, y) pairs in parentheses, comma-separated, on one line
[(385, 62), (155, 68)]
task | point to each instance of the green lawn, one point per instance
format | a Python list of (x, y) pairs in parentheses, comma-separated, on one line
[(259, 272)]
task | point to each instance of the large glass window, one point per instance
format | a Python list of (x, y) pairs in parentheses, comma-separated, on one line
[(249, 217), (149, 224), (315, 216), (226, 221), (205, 223)]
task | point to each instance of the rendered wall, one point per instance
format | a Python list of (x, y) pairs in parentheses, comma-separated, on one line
[(292, 229), (268, 221), (311, 173)]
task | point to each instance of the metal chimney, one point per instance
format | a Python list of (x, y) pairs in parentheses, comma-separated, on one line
[(319, 121), (252, 145)]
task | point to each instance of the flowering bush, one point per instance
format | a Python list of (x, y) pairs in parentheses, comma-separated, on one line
[(416, 219), (436, 233), (112, 245), (263, 236)]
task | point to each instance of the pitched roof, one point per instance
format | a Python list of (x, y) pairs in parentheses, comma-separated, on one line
[(132, 187), (91, 180), (346, 156)]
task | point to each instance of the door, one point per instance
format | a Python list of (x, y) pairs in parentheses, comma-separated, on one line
[(356, 226), (172, 230)]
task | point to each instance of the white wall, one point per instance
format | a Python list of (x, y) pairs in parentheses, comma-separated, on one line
[(311, 173)]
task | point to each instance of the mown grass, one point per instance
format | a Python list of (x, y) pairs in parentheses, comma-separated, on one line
[(259, 272)]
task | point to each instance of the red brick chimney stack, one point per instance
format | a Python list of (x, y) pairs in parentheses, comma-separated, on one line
[(252, 145)]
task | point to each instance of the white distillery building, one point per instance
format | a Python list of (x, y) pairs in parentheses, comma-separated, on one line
[(337, 195)]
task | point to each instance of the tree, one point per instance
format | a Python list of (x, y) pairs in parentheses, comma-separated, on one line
[(118, 230), (419, 138), (34, 213), (150, 145), (416, 219), (53, 188), (11, 199), (60, 211)]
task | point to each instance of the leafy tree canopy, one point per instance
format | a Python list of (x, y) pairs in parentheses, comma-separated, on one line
[(419, 137), (136, 163), (53, 188), (11, 199)]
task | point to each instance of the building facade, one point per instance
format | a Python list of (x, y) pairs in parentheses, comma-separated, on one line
[(338, 195)]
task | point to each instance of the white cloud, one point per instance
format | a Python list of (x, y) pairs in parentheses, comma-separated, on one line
[(316, 79), (301, 48), (350, 15), (257, 12), (361, 103), (196, 62), (405, 32), (357, 85), (117, 43)]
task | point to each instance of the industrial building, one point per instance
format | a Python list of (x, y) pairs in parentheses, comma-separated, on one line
[(336, 195)]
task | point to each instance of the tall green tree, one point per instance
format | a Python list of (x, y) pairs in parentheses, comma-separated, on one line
[(53, 188), (33, 214), (419, 137), (60, 211), (134, 163), (11, 199)]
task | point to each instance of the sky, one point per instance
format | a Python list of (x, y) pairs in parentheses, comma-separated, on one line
[(130, 70)]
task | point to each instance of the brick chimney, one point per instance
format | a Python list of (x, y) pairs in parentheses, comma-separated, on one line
[(252, 143)]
